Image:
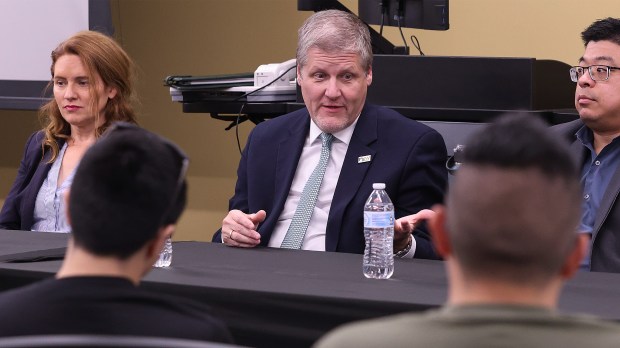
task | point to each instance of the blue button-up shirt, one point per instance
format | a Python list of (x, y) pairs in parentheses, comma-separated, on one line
[(596, 174)]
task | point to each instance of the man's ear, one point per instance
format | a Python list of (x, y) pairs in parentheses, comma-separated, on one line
[(573, 261), (157, 244), (439, 232), (369, 77), (67, 215)]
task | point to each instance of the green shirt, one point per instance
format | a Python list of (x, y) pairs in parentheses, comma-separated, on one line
[(477, 326)]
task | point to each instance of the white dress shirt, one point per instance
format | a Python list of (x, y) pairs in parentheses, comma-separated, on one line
[(310, 155)]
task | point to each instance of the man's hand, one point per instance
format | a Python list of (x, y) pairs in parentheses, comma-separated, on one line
[(239, 228), (404, 226)]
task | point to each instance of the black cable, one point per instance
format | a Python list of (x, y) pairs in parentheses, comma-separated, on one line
[(416, 44), (267, 85), (237, 127), (245, 102), (401, 33), (383, 9)]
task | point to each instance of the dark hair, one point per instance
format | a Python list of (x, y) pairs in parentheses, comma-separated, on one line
[(607, 29), (514, 205), (520, 141), (127, 186)]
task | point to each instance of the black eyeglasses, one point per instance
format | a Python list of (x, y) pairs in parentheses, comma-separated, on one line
[(179, 155), (597, 72)]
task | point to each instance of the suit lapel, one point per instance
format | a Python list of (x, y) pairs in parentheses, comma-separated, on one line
[(351, 175), (578, 152), (36, 182), (608, 200), (287, 157)]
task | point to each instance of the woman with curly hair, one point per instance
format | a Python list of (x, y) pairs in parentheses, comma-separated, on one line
[(92, 83)]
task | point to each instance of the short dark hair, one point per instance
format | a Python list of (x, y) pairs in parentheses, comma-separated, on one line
[(127, 186), (520, 141), (607, 29), (514, 205)]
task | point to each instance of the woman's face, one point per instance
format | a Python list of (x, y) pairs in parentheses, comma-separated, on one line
[(73, 94)]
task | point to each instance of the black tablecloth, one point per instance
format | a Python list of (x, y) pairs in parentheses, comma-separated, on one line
[(283, 298)]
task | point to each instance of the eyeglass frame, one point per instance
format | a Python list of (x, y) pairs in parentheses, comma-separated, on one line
[(120, 125), (574, 76)]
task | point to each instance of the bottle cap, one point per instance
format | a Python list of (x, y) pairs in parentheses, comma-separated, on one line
[(378, 186)]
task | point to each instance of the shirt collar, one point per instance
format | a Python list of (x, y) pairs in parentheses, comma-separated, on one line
[(584, 134), (343, 135), (586, 137)]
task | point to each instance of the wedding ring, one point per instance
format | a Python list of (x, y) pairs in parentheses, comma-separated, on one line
[(230, 235)]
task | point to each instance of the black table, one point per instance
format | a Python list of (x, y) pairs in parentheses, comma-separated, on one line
[(283, 298)]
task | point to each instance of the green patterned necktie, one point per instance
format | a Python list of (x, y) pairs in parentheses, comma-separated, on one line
[(297, 230)]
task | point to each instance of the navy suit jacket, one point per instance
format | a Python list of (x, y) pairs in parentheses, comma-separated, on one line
[(606, 230), (18, 209), (407, 156)]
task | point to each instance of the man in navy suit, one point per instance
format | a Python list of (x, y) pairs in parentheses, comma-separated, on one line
[(371, 144)]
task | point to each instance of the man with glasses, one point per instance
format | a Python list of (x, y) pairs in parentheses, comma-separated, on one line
[(595, 142), (128, 192)]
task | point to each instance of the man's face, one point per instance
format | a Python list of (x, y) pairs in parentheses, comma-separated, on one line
[(334, 88), (598, 102)]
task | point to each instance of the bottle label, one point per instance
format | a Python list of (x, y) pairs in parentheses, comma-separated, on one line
[(378, 219)]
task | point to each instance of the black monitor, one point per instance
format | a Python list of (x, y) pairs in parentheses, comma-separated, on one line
[(380, 45), (421, 14)]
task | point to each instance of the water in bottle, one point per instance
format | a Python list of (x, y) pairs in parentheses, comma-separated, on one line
[(165, 258), (379, 234)]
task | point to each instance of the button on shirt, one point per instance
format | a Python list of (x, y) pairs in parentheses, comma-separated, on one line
[(310, 155), (596, 174), (49, 208)]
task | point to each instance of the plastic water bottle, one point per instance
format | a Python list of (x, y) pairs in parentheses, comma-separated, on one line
[(165, 258), (379, 234)]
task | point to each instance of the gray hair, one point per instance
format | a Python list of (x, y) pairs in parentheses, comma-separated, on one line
[(334, 31)]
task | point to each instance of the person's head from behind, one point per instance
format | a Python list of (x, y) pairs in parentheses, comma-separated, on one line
[(512, 211), (334, 68), (93, 86), (597, 95), (128, 191)]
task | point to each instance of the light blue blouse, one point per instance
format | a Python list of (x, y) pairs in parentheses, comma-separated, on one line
[(49, 208)]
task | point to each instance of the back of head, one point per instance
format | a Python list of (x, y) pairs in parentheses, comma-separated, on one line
[(128, 185), (334, 32), (607, 29), (514, 205)]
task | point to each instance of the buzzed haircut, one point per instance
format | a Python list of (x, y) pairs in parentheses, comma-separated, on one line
[(515, 203), (520, 141), (127, 186), (607, 29)]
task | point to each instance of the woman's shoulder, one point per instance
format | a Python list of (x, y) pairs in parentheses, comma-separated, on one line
[(35, 140), (34, 145)]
